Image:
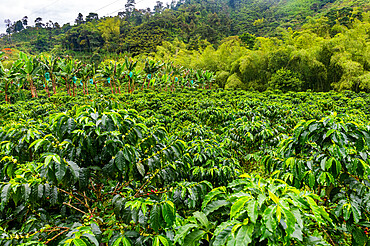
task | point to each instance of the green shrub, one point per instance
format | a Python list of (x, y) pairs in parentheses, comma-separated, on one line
[(221, 78), (234, 82), (285, 80)]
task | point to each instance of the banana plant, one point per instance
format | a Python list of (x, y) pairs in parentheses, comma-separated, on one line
[(120, 75), (177, 72), (69, 68), (188, 78), (128, 77), (30, 71), (209, 78), (151, 68), (4, 82), (204, 78), (50, 65), (167, 79), (86, 73), (108, 71), (130, 65)]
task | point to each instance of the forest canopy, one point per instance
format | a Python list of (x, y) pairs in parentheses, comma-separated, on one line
[(250, 44)]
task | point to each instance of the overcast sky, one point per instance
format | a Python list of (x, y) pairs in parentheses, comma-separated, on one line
[(61, 11)]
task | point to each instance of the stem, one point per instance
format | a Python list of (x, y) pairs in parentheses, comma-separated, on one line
[(51, 239), (148, 84), (47, 88), (128, 85), (111, 88), (114, 84), (6, 94), (54, 85), (31, 86), (70, 205), (142, 87), (67, 86), (70, 194), (331, 240), (87, 85)]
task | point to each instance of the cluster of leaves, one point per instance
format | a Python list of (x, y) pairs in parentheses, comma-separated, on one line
[(255, 211), (330, 156)]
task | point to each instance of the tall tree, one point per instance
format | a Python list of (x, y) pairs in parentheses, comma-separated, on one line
[(8, 25), (49, 24), (25, 21), (80, 19), (158, 8), (110, 29), (38, 22), (18, 26), (92, 17), (129, 7)]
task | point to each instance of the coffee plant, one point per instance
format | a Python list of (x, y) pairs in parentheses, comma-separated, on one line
[(148, 153)]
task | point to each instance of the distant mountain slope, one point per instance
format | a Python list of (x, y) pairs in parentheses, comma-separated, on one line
[(192, 21), (262, 17)]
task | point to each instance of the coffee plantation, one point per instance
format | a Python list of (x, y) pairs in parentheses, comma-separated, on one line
[(185, 167)]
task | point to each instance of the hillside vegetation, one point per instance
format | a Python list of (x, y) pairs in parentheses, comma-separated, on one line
[(205, 123), (141, 30), (254, 45)]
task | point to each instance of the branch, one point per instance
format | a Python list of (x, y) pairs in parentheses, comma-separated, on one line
[(60, 233), (68, 193), (68, 204)]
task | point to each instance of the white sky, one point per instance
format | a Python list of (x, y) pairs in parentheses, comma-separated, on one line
[(62, 11)]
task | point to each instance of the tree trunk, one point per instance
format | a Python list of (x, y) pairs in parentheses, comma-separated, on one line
[(6, 93), (148, 84), (33, 89), (114, 84), (54, 86), (119, 88), (111, 88), (68, 88), (47, 89), (142, 87)]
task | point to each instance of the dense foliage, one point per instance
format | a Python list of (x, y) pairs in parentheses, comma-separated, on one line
[(290, 45), (192, 21), (191, 167), (158, 149), (50, 72), (319, 57)]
